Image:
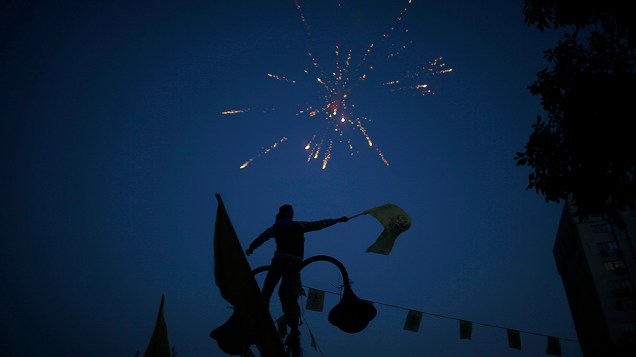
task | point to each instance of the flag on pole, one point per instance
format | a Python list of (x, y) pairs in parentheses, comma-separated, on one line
[(158, 345), (238, 286), (413, 320), (514, 339), (394, 220)]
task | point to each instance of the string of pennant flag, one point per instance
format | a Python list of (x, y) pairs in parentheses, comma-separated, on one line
[(316, 298)]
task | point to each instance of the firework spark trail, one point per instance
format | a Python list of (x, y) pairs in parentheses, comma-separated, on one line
[(235, 111), (435, 67), (264, 152), (327, 155), (241, 111), (385, 36), (302, 16), (381, 156), (364, 132), (280, 78)]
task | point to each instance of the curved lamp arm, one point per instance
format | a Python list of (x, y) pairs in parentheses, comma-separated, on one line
[(316, 258), (351, 314)]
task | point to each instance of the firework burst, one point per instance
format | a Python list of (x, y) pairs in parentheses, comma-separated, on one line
[(338, 123)]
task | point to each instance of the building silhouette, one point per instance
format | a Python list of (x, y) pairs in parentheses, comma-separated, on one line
[(597, 263)]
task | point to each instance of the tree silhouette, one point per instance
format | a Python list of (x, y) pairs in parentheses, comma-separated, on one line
[(583, 150)]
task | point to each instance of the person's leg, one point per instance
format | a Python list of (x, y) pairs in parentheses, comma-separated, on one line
[(271, 279), (289, 292)]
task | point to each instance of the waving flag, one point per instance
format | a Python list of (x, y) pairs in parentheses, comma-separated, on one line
[(394, 220)]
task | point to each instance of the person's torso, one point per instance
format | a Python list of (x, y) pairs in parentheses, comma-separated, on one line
[(290, 238)]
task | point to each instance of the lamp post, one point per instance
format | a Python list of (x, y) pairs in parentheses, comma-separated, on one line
[(350, 315)]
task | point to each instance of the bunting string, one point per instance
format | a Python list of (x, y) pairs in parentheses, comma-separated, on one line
[(316, 300)]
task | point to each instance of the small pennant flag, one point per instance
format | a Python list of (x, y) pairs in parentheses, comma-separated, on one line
[(554, 346), (159, 346), (465, 330), (394, 220), (514, 339), (315, 300), (413, 320), (313, 343)]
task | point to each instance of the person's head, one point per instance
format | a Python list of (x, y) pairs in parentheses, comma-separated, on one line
[(285, 212)]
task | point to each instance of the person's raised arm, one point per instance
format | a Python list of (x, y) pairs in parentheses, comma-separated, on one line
[(317, 225), (262, 238)]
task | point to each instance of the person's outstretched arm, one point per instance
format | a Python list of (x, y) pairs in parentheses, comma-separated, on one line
[(262, 238), (318, 225)]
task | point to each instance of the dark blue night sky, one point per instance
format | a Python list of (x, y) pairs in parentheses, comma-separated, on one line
[(113, 146)]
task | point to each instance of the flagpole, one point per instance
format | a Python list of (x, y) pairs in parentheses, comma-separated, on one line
[(358, 215)]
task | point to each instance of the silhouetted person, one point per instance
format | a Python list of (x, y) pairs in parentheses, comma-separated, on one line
[(289, 254)]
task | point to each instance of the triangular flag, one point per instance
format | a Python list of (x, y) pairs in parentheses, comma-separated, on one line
[(158, 345), (465, 330), (315, 300), (514, 339), (238, 286), (413, 320), (394, 220), (313, 343), (554, 346)]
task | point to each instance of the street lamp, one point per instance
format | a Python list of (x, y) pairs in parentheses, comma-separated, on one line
[(350, 315)]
